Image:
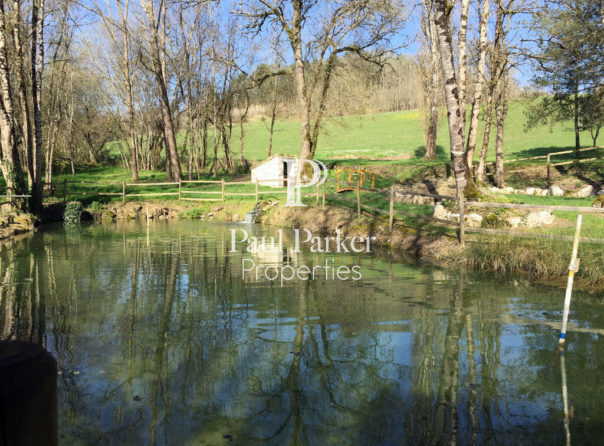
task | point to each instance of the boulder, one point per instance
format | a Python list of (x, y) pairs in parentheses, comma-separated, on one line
[(586, 191), (440, 212), (555, 191), (473, 220), (508, 190), (539, 219), (544, 192), (495, 190), (514, 221), (530, 191)]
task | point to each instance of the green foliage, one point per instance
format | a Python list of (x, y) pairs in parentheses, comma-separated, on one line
[(492, 221), (96, 208), (73, 212), (194, 213)]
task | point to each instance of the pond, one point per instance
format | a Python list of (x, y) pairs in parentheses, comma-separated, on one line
[(163, 337)]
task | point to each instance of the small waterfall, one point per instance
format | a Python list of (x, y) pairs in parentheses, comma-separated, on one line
[(252, 216)]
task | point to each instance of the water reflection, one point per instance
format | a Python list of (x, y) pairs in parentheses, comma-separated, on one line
[(160, 340)]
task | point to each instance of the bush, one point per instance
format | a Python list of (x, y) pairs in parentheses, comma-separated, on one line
[(96, 208), (73, 212)]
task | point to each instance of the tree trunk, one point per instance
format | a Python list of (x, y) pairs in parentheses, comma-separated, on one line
[(160, 80), (296, 44), (26, 129), (431, 79), (37, 20), (482, 50), (576, 116), (501, 110), (10, 164), (273, 118), (204, 146), (456, 131), (462, 55), (486, 137)]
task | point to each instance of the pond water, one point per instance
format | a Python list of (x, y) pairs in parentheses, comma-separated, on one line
[(161, 337)]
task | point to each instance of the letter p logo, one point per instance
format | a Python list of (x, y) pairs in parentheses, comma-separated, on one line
[(296, 166)]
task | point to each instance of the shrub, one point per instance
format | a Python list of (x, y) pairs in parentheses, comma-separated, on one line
[(73, 212)]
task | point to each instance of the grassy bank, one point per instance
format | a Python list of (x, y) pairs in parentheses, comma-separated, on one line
[(397, 135)]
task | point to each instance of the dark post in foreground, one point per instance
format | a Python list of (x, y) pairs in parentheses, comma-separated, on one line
[(28, 395)]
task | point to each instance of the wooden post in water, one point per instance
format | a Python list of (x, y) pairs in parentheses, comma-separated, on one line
[(123, 191), (391, 215), (572, 268), (359, 195), (222, 185)]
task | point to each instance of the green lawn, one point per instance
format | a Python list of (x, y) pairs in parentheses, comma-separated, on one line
[(395, 135), (398, 134)]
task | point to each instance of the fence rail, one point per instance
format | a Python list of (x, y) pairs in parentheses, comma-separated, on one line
[(321, 195)]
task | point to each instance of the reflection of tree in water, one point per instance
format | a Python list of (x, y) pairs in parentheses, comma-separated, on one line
[(171, 346)]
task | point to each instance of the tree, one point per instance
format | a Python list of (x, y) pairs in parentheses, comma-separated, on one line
[(21, 139), (459, 161), (480, 77), (337, 27), (156, 52), (568, 53), (429, 70)]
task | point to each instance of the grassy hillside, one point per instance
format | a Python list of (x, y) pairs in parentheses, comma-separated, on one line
[(398, 134)]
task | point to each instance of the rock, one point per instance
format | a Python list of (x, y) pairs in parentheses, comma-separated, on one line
[(555, 191), (586, 191), (530, 191), (544, 192), (538, 219), (495, 190), (474, 220), (452, 217), (514, 221), (23, 220), (440, 212), (508, 190)]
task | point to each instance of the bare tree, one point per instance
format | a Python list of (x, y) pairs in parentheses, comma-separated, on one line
[(429, 68), (480, 75), (462, 56), (456, 129), (341, 27), (155, 29)]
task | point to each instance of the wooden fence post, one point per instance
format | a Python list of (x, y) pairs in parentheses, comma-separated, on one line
[(123, 191), (222, 184), (549, 182), (359, 196), (64, 190), (324, 191), (256, 183), (462, 225), (391, 216), (179, 189)]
